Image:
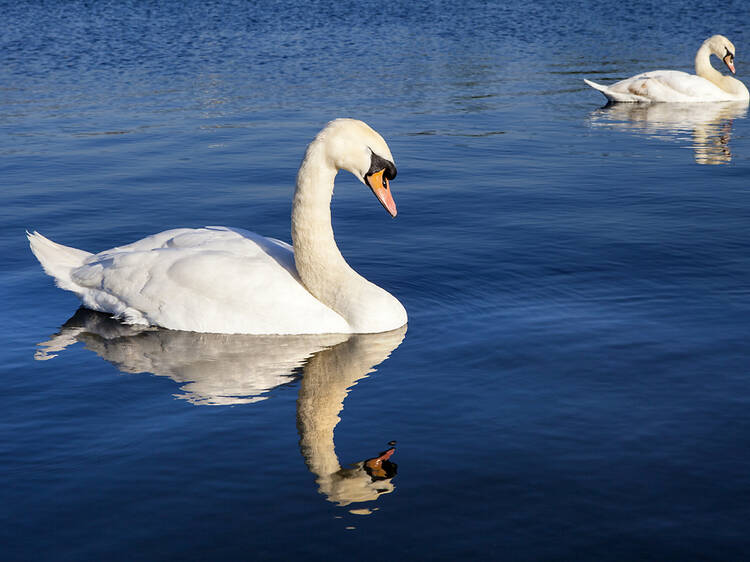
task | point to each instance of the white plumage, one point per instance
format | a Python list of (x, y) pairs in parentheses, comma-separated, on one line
[(228, 280), (706, 85)]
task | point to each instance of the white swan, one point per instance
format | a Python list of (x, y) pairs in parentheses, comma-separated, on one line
[(677, 86), (705, 127), (226, 280)]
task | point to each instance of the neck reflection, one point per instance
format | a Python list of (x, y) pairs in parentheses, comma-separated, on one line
[(706, 127), (222, 369), (328, 376)]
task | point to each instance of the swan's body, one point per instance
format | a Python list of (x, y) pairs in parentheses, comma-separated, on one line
[(706, 85), (225, 280)]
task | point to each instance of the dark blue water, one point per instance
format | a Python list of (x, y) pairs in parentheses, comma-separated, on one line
[(573, 384)]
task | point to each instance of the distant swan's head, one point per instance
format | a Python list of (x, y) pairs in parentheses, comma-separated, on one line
[(354, 146), (722, 48)]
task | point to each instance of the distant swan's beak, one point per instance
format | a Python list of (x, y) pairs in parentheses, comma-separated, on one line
[(382, 190), (728, 61)]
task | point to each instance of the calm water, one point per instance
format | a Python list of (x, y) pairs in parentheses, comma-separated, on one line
[(573, 384)]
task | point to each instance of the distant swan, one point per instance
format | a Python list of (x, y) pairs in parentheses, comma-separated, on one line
[(677, 86), (226, 280)]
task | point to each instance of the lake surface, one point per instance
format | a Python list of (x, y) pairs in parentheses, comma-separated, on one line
[(573, 383)]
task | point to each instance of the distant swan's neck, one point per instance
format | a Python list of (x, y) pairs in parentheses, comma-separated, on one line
[(704, 69)]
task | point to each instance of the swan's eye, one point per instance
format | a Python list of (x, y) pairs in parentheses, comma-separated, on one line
[(378, 164), (385, 181)]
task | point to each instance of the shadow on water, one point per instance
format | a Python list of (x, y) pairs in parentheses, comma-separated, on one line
[(706, 126), (223, 369)]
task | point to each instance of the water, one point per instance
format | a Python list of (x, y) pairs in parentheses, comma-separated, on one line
[(573, 382)]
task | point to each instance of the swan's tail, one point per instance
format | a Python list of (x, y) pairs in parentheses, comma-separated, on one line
[(602, 89), (57, 260), (612, 95)]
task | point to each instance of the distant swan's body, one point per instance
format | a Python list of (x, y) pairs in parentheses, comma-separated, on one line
[(706, 85), (226, 280)]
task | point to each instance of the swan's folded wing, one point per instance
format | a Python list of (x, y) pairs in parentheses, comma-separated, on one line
[(205, 280), (674, 85)]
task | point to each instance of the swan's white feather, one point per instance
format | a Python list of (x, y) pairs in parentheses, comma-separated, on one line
[(663, 86), (213, 279), (706, 85), (227, 280), (57, 260)]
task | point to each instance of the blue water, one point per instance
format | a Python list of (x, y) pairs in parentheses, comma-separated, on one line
[(573, 383)]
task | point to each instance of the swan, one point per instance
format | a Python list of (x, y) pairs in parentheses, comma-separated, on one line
[(228, 280), (677, 86)]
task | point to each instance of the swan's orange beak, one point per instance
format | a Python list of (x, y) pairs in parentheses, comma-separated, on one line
[(382, 190), (729, 62)]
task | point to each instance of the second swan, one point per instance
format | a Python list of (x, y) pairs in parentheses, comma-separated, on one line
[(707, 84)]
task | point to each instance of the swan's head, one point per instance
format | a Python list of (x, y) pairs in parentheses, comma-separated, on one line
[(722, 48), (354, 146)]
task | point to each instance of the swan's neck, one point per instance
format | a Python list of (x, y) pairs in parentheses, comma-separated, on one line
[(318, 259), (704, 69), (703, 66), (320, 265)]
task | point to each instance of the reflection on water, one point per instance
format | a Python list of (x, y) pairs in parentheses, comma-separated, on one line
[(708, 126), (212, 369), (327, 377), (221, 369)]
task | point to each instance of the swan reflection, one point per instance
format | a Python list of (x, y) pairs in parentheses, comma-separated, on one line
[(221, 369), (707, 126)]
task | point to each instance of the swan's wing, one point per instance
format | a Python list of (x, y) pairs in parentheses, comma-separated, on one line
[(695, 88), (669, 86), (212, 279), (620, 95)]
